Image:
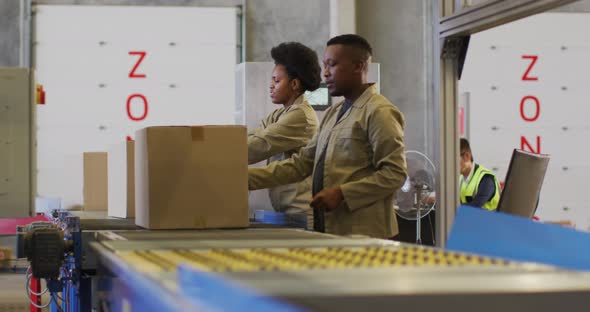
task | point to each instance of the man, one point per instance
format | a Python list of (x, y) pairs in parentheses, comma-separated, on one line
[(357, 159), (479, 186)]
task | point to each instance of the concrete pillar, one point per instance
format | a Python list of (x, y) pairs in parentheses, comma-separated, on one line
[(400, 33), (270, 22), (9, 33), (342, 17)]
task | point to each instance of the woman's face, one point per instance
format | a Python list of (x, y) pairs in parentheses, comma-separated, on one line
[(281, 87)]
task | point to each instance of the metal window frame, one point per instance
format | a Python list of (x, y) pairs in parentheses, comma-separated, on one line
[(455, 25)]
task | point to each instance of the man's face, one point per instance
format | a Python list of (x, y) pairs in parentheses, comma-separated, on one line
[(341, 71), (465, 162)]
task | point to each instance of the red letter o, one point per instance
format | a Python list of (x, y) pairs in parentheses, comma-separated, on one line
[(145, 107), (537, 108)]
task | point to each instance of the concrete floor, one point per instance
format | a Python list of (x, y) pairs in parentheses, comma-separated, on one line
[(13, 296)]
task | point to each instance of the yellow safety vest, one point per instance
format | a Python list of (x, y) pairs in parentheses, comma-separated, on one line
[(470, 189)]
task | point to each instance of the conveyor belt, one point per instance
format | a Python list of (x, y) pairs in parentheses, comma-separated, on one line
[(319, 272), (287, 259), (256, 232)]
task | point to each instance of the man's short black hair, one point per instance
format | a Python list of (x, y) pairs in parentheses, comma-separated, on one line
[(464, 147), (355, 41), (300, 62)]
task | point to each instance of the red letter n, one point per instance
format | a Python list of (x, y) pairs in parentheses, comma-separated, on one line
[(525, 143)]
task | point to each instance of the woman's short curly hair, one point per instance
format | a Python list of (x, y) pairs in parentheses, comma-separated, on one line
[(300, 62)]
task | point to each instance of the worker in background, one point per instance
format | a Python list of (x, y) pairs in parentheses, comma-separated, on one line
[(479, 186), (357, 159), (290, 127)]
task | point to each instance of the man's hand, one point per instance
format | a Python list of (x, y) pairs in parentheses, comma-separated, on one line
[(328, 199)]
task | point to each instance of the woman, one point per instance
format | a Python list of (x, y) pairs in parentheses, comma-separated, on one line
[(290, 127)]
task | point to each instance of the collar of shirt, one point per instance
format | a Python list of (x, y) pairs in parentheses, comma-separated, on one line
[(466, 180), (283, 110), (347, 104), (298, 101), (345, 107)]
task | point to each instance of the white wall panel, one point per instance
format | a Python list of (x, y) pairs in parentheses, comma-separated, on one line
[(493, 77), (82, 59)]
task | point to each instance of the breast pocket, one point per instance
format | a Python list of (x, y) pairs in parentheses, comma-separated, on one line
[(351, 146)]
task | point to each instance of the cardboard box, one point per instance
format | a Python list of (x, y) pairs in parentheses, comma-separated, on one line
[(121, 163), (95, 181), (5, 257), (191, 177)]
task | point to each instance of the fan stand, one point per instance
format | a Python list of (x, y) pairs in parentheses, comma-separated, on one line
[(420, 181), (418, 201)]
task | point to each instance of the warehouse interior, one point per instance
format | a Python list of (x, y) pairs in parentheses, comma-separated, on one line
[(312, 155)]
